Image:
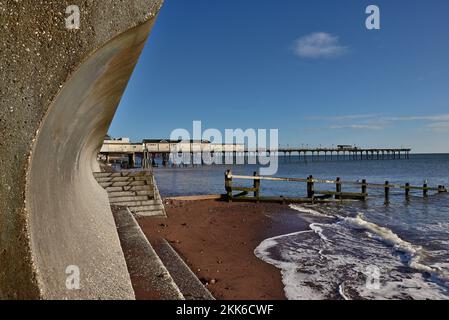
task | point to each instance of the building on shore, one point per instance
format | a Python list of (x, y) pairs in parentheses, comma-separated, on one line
[(126, 153), (188, 146)]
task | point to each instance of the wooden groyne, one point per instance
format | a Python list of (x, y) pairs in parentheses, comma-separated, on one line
[(314, 195)]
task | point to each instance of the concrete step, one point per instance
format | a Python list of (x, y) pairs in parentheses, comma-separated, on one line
[(120, 193), (133, 189), (122, 174), (149, 193), (137, 203), (153, 214), (149, 277), (115, 179), (103, 174), (136, 173), (127, 199), (146, 208), (143, 188), (143, 178), (138, 188), (123, 179), (122, 184), (189, 284), (114, 189)]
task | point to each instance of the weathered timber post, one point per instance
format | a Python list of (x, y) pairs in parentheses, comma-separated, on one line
[(310, 187), (387, 192), (256, 186), (364, 189), (338, 188), (228, 185), (425, 190), (407, 191)]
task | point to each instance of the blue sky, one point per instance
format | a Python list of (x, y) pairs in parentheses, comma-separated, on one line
[(308, 68)]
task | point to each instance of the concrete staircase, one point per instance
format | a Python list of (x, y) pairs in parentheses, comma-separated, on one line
[(157, 273), (136, 190)]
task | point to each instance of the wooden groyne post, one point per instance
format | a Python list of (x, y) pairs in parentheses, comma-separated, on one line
[(228, 185), (387, 192), (407, 191), (364, 190), (338, 188), (425, 190), (256, 185), (310, 187)]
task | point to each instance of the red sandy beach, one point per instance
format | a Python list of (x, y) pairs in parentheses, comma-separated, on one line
[(217, 240)]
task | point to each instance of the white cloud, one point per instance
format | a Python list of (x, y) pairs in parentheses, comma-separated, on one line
[(319, 45), (343, 117), (439, 126), (435, 122), (358, 127), (441, 117)]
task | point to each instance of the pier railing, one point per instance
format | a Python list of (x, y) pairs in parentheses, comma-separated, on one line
[(315, 195)]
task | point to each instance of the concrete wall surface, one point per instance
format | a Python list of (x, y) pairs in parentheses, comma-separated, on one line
[(59, 90)]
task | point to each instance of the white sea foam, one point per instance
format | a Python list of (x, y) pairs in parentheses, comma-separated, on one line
[(319, 231), (341, 291), (307, 210), (413, 253), (384, 234), (291, 279), (330, 260)]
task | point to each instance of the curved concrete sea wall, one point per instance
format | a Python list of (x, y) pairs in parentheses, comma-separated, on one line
[(59, 90)]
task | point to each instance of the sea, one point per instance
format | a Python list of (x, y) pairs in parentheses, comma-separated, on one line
[(351, 250)]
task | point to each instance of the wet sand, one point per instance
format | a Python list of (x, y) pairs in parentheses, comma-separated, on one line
[(217, 240)]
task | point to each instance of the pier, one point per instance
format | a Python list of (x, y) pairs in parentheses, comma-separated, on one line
[(149, 151), (347, 153), (314, 195)]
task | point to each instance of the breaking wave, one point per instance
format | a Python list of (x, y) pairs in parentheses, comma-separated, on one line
[(335, 261)]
